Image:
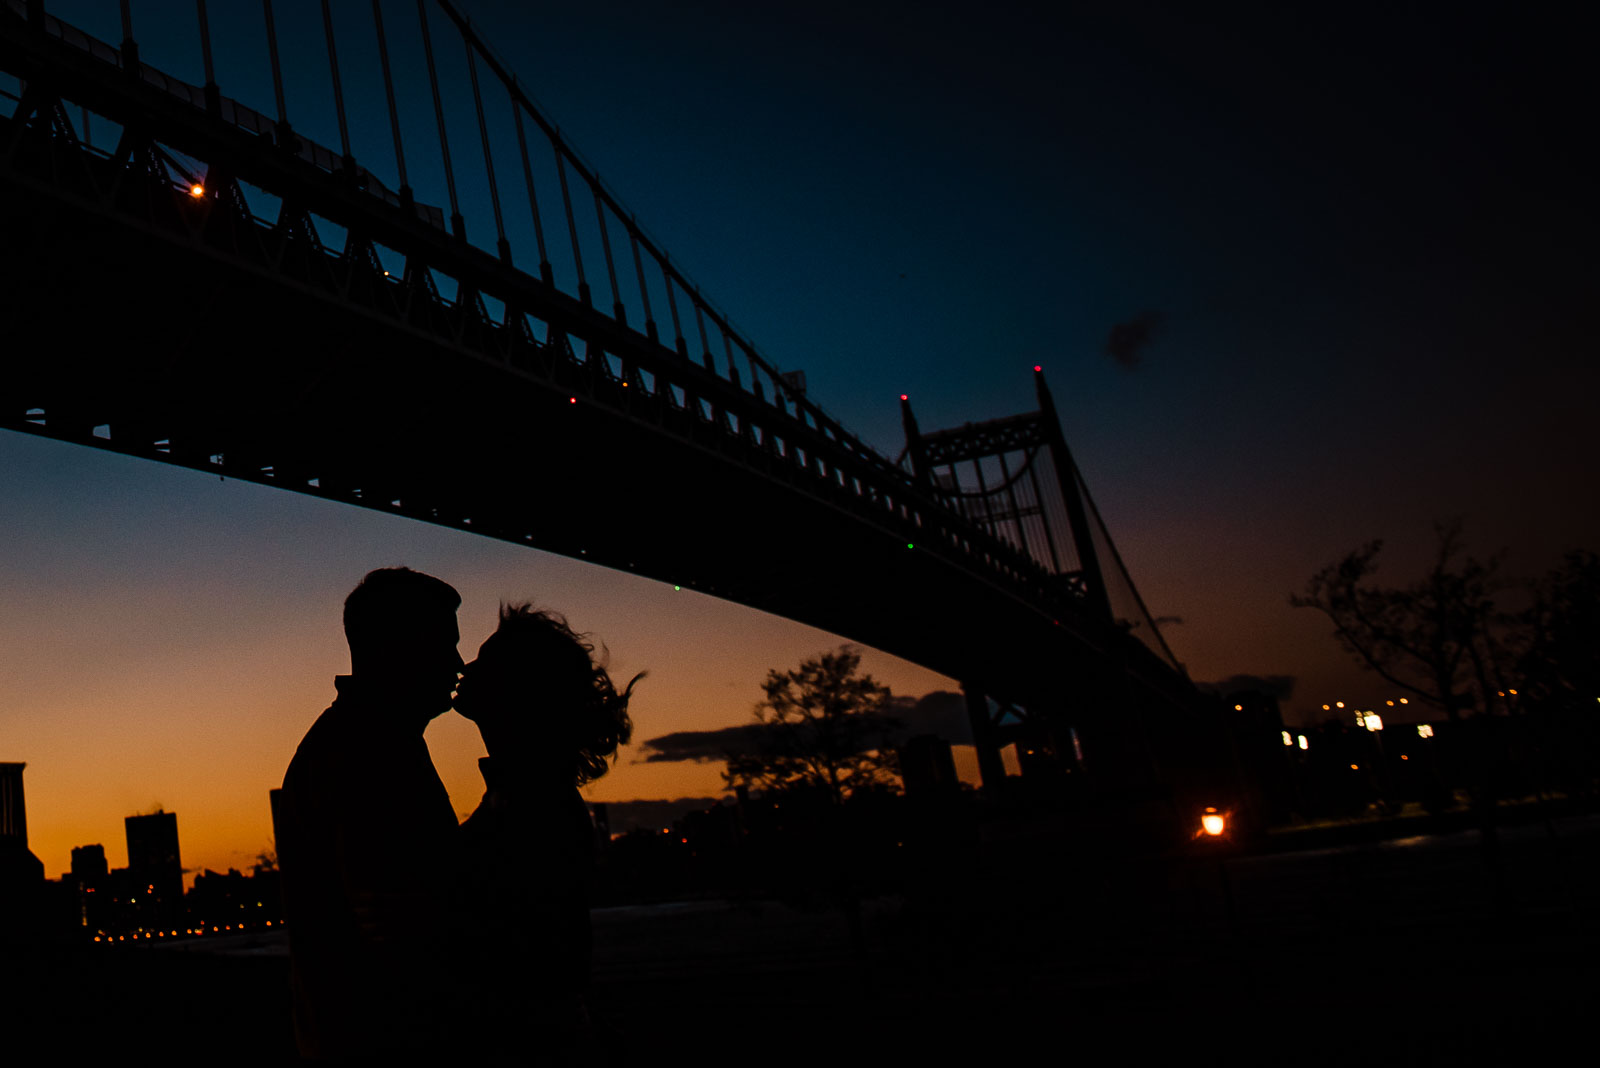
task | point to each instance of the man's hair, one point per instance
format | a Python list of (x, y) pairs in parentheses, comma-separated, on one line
[(388, 602)]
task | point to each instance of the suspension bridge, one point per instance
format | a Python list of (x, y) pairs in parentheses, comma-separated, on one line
[(200, 283)]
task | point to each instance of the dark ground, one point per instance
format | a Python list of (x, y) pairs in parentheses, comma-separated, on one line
[(1386, 953)]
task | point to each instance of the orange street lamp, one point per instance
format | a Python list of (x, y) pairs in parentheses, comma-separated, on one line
[(1213, 823)]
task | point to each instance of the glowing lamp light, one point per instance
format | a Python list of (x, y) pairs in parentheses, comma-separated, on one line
[(197, 190), (1288, 739), (1238, 708), (675, 589), (1372, 721), (1355, 767), (1404, 701), (1338, 704), (1325, 708), (1213, 823), (1424, 730), (1304, 742)]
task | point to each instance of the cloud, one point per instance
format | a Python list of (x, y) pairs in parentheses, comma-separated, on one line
[(1279, 686), (701, 747), (941, 712), (1127, 341)]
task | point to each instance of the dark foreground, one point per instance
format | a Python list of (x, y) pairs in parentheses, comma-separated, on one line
[(1390, 953)]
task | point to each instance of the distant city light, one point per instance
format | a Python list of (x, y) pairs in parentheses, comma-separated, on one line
[(1213, 822), (1424, 730), (1355, 767), (197, 190), (1338, 704), (1288, 739), (1513, 693), (1304, 743), (1404, 757), (1373, 722), (1238, 708), (1403, 701), (1325, 708), (1389, 703)]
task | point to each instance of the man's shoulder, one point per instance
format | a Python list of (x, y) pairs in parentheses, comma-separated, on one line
[(323, 743)]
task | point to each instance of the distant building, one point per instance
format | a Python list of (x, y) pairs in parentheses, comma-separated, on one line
[(21, 873), (155, 873), (88, 864), (928, 767), (89, 882)]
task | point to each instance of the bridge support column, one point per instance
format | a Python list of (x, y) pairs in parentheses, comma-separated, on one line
[(991, 769)]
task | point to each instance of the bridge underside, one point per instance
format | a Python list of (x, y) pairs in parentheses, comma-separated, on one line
[(121, 337)]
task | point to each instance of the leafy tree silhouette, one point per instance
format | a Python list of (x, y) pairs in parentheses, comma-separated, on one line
[(825, 729)]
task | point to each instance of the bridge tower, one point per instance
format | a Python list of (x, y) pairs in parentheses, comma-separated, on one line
[(1015, 477)]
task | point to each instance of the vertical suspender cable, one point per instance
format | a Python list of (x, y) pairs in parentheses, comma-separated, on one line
[(545, 271), (572, 226), (644, 294), (1044, 517), (727, 347), (672, 303), (458, 225), (338, 90), (213, 97), (1016, 512), (502, 245), (705, 343), (277, 71), (130, 47), (617, 309), (394, 114)]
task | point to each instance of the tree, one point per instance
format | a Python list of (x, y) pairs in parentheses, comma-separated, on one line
[(1440, 639), (824, 728)]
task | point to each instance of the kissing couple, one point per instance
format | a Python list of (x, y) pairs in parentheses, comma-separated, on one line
[(411, 935)]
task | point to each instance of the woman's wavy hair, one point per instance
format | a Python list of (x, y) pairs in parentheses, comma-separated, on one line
[(586, 711)]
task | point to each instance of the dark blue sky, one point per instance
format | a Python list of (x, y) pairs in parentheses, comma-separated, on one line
[(1366, 233)]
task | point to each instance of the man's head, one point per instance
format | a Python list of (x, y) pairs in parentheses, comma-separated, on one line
[(401, 626)]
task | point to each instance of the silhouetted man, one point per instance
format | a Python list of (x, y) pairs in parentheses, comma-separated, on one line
[(369, 845)]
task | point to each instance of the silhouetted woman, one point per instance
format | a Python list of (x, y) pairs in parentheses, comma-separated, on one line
[(551, 719)]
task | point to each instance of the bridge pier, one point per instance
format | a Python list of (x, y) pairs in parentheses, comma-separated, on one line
[(991, 769)]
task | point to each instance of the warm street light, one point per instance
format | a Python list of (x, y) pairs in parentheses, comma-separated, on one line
[(1304, 743), (1425, 730), (1287, 739), (1213, 823), (1372, 721)]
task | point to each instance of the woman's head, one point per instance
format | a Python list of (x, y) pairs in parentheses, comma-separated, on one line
[(538, 690)]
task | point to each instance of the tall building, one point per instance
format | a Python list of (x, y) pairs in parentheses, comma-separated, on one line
[(154, 870), (21, 873), (88, 864)]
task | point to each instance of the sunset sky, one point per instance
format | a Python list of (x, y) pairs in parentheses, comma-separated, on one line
[(1366, 236)]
